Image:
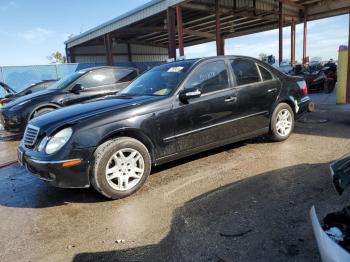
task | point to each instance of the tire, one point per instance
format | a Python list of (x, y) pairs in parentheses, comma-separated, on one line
[(42, 111), (125, 182), (329, 86), (276, 133)]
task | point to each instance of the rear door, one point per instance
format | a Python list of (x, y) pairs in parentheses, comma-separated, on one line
[(257, 90), (208, 118), (99, 83)]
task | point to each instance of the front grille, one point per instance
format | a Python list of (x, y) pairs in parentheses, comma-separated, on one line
[(30, 135)]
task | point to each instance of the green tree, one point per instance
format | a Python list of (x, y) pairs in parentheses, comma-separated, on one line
[(56, 58), (262, 56)]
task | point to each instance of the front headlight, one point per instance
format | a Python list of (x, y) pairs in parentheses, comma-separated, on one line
[(58, 140)]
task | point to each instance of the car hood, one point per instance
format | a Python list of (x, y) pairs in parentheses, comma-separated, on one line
[(80, 112), (22, 99)]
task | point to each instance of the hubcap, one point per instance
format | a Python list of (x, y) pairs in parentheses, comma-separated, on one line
[(284, 122), (125, 169)]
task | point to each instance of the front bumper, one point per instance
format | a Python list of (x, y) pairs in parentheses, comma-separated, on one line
[(51, 169), (11, 127), (329, 250)]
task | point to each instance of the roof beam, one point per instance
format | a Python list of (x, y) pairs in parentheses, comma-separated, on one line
[(291, 3), (199, 33)]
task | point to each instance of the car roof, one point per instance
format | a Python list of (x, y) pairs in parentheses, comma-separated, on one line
[(106, 67)]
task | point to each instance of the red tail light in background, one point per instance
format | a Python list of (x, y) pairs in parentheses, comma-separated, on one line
[(303, 87)]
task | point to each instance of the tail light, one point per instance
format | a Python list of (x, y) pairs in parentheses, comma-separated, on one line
[(303, 87)]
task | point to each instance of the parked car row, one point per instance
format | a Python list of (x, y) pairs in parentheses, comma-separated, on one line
[(319, 76), (112, 140), (84, 85)]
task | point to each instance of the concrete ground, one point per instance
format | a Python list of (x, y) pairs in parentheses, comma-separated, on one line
[(248, 201)]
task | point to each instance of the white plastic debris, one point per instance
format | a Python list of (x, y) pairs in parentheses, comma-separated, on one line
[(335, 234)]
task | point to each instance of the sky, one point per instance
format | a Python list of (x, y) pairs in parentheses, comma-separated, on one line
[(32, 30)]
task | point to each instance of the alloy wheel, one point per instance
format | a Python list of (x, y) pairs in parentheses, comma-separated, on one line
[(125, 169), (284, 122)]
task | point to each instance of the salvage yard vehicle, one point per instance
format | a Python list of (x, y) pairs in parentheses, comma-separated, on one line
[(35, 87), (171, 111), (317, 77), (5, 91), (333, 239), (84, 85)]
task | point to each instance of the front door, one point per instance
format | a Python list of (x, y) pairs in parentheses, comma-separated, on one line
[(208, 118)]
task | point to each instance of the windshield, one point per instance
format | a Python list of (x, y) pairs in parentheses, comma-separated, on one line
[(67, 80), (159, 81), (5, 90)]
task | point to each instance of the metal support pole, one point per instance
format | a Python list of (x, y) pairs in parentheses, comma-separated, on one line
[(348, 77), (219, 39), (171, 33), (292, 30), (129, 53), (280, 33), (108, 47), (180, 30), (72, 58), (304, 39)]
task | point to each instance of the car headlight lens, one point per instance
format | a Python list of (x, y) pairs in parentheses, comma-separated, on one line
[(58, 140)]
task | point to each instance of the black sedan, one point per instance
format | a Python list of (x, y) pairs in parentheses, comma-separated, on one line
[(35, 87), (84, 85), (169, 112)]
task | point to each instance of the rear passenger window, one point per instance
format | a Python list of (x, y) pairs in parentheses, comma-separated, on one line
[(265, 74), (209, 77), (245, 71)]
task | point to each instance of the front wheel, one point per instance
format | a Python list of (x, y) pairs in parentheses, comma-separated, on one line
[(42, 111), (282, 123), (120, 167)]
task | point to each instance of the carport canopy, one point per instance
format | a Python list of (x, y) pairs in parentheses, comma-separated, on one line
[(154, 31)]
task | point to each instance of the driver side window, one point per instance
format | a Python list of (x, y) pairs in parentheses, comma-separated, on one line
[(209, 77)]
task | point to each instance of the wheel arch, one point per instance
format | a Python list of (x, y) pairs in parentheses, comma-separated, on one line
[(42, 106), (132, 133), (289, 101)]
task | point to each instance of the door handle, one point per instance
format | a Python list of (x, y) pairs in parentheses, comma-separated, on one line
[(231, 99), (272, 90)]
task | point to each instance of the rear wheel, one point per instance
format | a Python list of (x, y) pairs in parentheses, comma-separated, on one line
[(328, 86), (120, 167), (282, 123)]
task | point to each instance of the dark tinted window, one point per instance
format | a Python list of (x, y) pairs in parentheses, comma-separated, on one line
[(124, 75), (265, 74), (209, 77), (245, 71)]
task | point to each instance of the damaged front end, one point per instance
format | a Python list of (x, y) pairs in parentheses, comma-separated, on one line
[(340, 171), (333, 238)]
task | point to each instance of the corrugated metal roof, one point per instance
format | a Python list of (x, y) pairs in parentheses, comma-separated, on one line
[(144, 11)]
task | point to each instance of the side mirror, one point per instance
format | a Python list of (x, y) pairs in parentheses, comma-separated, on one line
[(76, 89), (28, 92), (189, 93)]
